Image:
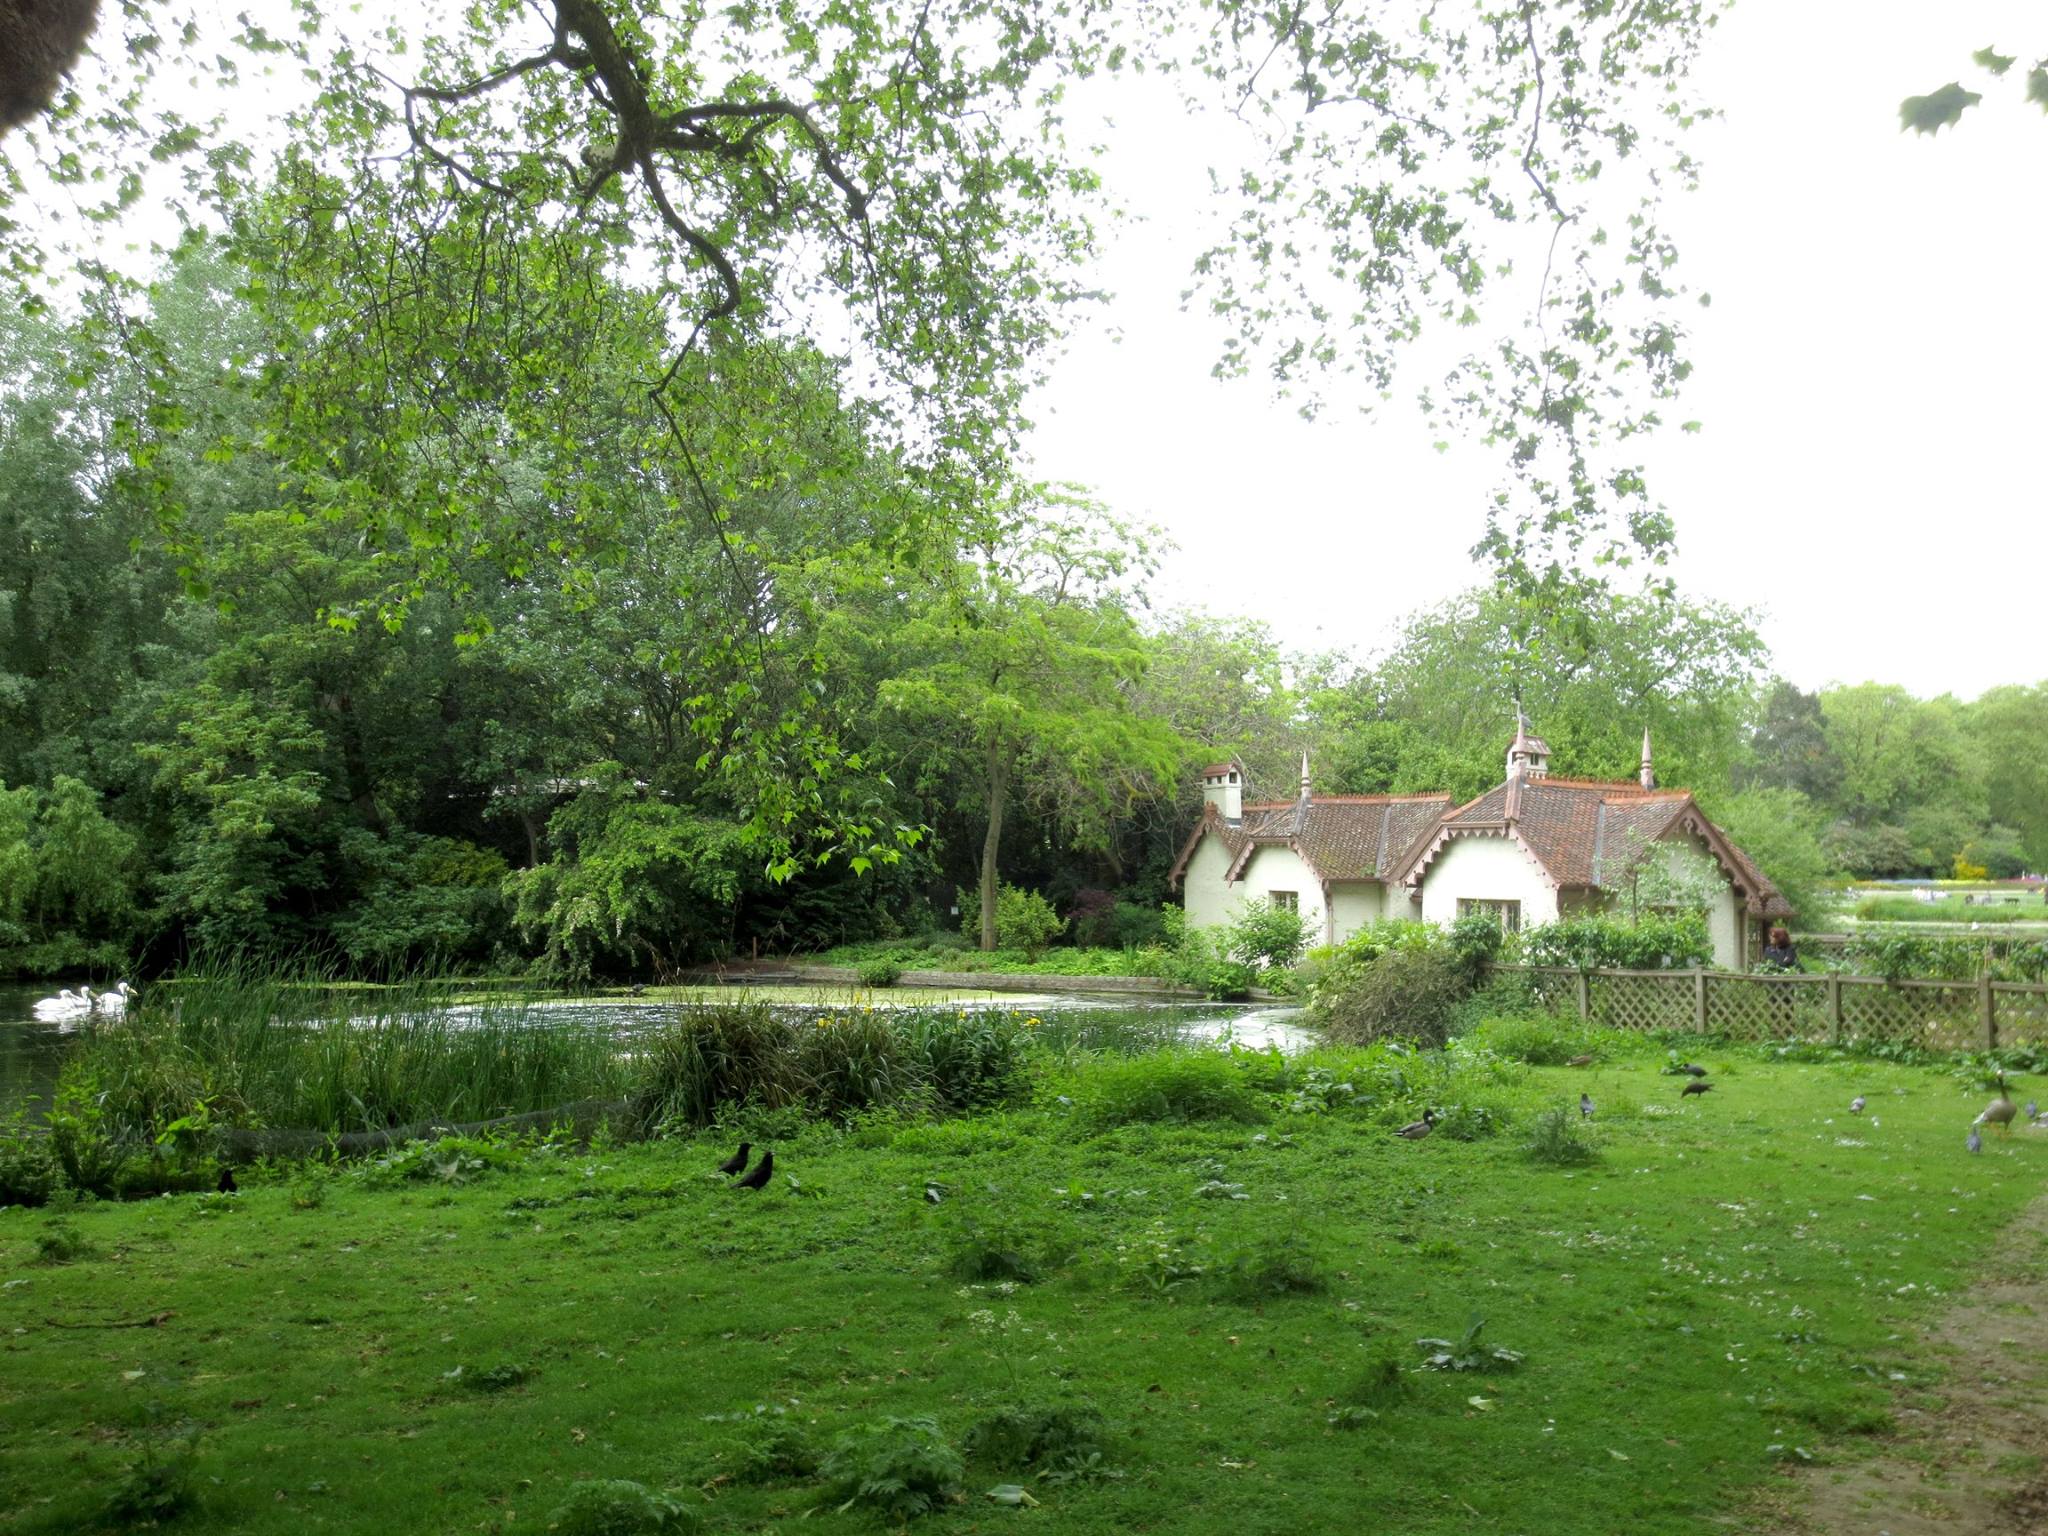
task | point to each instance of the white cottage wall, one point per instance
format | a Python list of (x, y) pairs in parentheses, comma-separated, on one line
[(1207, 900), (1486, 869), (1355, 903), (1273, 869)]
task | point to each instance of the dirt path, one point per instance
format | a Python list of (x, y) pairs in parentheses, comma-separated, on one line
[(1971, 1457)]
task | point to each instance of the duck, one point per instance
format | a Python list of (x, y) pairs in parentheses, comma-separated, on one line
[(2001, 1110), (1585, 1060), (1415, 1130)]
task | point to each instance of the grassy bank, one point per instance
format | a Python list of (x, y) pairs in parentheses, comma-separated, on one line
[(1950, 909), (1177, 1292)]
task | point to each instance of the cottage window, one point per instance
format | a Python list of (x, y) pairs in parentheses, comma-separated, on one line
[(1507, 913), (1286, 901)]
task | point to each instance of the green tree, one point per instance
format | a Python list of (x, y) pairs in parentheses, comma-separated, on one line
[(1022, 656)]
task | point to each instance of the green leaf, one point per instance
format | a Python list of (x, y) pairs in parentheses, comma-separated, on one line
[(2037, 85), (1991, 59), (1932, 113)]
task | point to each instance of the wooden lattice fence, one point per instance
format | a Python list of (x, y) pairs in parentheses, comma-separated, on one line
[(1940, 1015)]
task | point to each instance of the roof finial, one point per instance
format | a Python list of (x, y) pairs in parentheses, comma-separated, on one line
[(1649, 774), (1304, 773)]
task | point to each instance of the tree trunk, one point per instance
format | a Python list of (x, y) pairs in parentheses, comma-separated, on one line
[(998, 793)]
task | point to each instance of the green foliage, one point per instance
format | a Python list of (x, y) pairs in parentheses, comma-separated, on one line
[(771, 1449), (446, 1160), (992, 1243), (620, 1507), (1653, 942), (898, 1468), (738, 1053), (1938, 109), (1263, 936), (1781, 830), (1950, 909), (62, 1243), (1474, 944), (635, 884), (1407, 992), (159, 1485), (1167, 1085), (853, 1062), (1265, 1269), (878, 973), (29, 1174), (1558, 1139), (1542, 1039), (1466, 1353), (1057, 1441), (1025, 920)]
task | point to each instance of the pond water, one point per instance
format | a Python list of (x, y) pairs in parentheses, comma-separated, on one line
[(32, 1053)]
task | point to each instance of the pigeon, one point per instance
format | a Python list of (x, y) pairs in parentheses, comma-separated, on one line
[(1581, 1061), (2033, 1112), (227, 1185), (932, 1195), (1690, 1070), (1585, 1107), (1415, 1130), (737, 1161), (763, 1172), (1692, 1088), (1856, 1105), (1976, 1142)]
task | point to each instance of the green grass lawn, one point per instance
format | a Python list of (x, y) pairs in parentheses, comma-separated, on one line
[(1734, 1285)]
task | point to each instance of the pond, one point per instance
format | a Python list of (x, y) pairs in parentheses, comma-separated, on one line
[(32, 1053)]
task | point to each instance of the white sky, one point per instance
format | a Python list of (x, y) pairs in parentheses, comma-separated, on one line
[(1872, 375)]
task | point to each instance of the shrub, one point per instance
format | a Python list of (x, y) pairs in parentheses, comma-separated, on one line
[(896, 1467), (1467, 1353), (86, 1146), (1559, 1139), (618, 1507), (1263, 935), (877, 974), (160, 1485), (1024, 919), (1166, 1085), (1651, 943), (62, 1243), (773, 1448), (974, 1062), (448, 1160), (852, 1062), (1058, 1440), (28, 1167), (731, 1054), (1475, 943), (999, 1245), (1540, 1039), (1405, 993)]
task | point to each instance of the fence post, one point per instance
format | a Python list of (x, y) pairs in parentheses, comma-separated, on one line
[(1835, 1008), (1699, 1000), (1987, 1010), (1585, 1010)]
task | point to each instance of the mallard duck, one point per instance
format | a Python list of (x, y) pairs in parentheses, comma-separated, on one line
[(1415, 1130), (1695, 1087)]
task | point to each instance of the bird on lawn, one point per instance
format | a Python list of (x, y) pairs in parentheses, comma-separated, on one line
[(1695, 1087), (737, 1161), (226, 1185), (1585, 1107), (1581, 1061), (1976, 1142), (763, 1172), (2033, 1113), (1690, 1070), (1856, 1105), (1415, 1130), (638, 989), (1999, 1111)]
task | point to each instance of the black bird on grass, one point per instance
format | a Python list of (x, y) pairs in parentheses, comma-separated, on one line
[(737, 1161), (227, 1185), (1695, 1087), (1690, 1070), (763, 1172), (1585, 1107)]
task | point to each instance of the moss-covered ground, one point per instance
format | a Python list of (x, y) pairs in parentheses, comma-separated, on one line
[(1739, 1283)]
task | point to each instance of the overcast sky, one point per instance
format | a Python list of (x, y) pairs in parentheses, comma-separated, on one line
[(1872, 378)]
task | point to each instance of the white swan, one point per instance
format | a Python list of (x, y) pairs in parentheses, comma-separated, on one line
[(66, 1005), (115, 1002)]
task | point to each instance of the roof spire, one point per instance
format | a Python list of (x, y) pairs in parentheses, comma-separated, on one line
[(1648, 776), (1304, 773)]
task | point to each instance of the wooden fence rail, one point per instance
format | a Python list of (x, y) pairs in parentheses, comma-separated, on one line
[(1939, 1015)]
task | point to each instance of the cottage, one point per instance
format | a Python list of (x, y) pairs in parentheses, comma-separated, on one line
[(1530, 850)]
